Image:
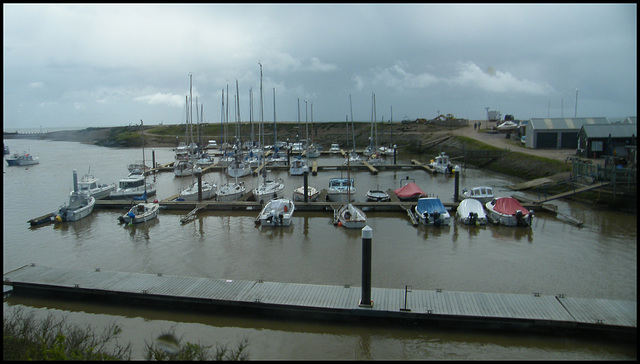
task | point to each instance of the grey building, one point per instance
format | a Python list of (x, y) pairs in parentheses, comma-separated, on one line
[(557, 133), (595, 141)]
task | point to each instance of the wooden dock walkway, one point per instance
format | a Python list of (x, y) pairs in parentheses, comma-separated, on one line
[(573, 192), (487, 311)]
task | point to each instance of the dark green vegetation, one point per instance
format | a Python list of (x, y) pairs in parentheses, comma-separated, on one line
[(25, 338)]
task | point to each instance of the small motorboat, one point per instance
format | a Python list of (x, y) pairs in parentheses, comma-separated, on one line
[(409, 191), (442, 164), (134, 185), (483, 194), (351, 217), (312, 193), (508, 211), (298, 167), (431, 211), (335, 148), (277, 212), (471, 212), (377, 196), (80, 204), (90, 184), (212, 145), (341, 190)]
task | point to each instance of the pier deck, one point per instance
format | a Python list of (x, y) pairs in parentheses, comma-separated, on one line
[(517, 312)]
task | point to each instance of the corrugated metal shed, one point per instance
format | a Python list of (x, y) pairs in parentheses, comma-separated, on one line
[(554, 133), (615, 130), (565, 123)]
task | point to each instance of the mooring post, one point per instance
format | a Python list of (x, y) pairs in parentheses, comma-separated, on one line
[(367, 235), (456, 172), (153, 158), (306, 186), (395, 154), (199, 175)]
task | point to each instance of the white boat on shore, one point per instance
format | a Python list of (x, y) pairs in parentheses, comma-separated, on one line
[(277, 212), (508, 211), (471, 212)]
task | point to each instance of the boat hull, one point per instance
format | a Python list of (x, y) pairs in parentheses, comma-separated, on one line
[(351, 217), (140, 213), (377, 196), (231, 192), (431, 212), (74, 214), (517, 216), (277, 212), (471, 212), (312, 194)]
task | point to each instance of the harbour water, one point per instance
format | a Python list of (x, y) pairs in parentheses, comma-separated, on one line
[(598, 260)]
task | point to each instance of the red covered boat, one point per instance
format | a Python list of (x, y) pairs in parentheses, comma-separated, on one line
[(409, 191)]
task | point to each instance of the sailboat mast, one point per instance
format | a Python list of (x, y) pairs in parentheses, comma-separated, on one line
[(275, 127), (261, 127), (144, 173)]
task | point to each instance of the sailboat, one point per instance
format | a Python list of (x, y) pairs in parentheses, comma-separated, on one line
[(349, 215), (143, 211), (299, 165), (268, 189), (184, 164), (314, 149), (238, 167), (374, 157)]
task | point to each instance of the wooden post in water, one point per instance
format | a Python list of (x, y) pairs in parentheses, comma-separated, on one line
[(306, 186), (456, 172), (367, 235), (153, 158), (199, 175)]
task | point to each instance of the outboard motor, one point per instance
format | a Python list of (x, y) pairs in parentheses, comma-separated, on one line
[(520, 219), (473, 218), (426, 218), (437, 221)]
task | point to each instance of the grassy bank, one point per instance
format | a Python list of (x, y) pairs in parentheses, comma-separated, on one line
[(517, 164)]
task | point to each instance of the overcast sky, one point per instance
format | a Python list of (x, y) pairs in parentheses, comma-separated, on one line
[(112, 65)]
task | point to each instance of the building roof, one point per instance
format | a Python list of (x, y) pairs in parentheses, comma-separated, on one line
[(615, 130), (565, 123)]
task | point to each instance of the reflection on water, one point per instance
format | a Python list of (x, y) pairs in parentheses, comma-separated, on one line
[(551, 257)]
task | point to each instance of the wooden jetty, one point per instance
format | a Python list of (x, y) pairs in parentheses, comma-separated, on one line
[(44, 219), (523, 313), (573, 192)]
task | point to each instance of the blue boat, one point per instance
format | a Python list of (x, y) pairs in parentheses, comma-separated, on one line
[(431, 211)]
